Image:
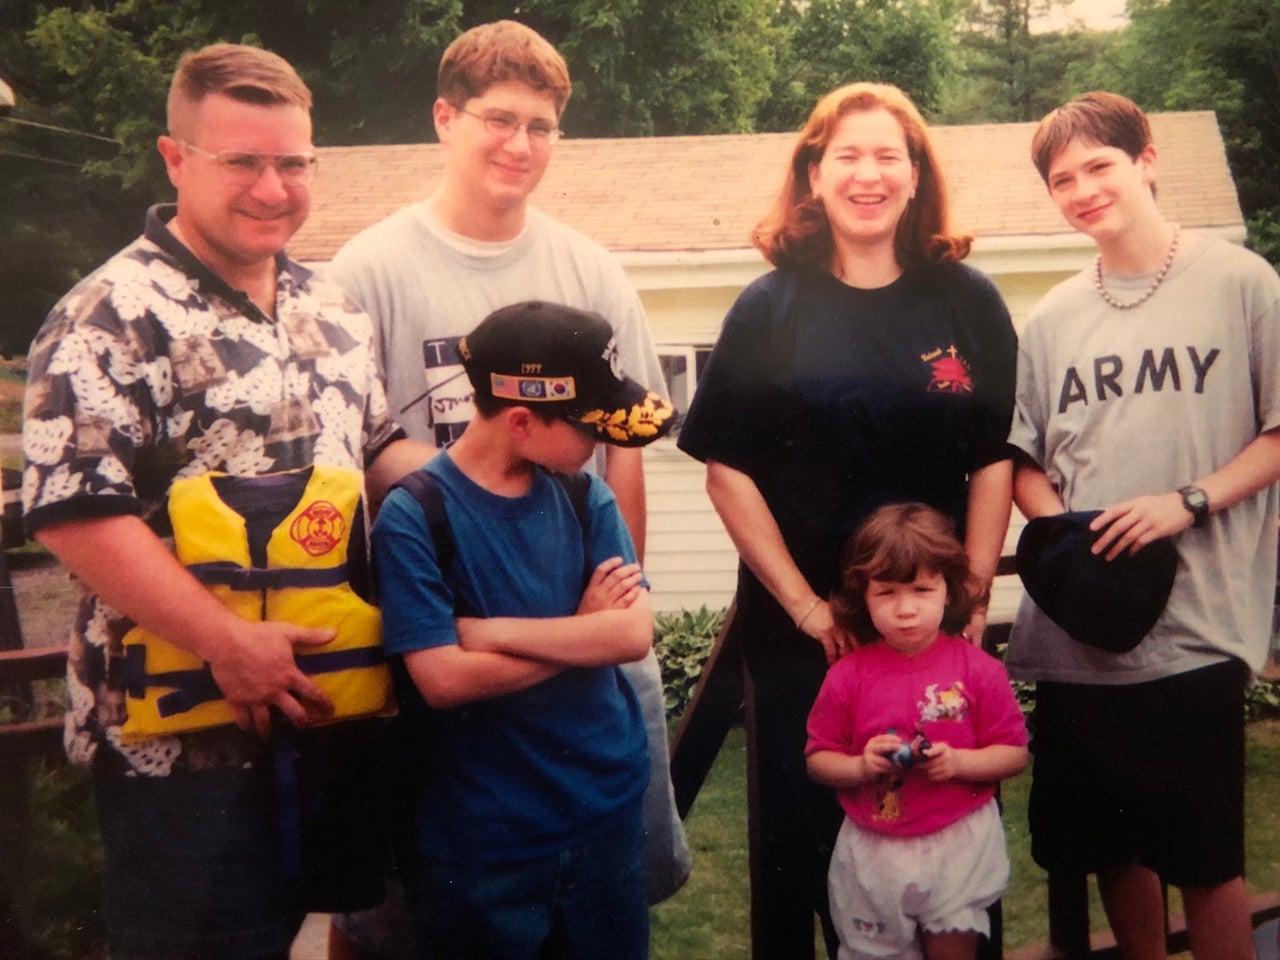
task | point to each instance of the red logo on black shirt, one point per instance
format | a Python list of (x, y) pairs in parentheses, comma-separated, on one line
[(319, 528), (950, 371)]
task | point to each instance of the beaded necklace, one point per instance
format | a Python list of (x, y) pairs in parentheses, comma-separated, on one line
[(1155, 284)]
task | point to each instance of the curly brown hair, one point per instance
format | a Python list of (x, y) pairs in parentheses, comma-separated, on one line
[(894, 544)]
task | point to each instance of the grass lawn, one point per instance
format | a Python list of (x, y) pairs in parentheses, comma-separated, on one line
[(12, 383), (709, 919)]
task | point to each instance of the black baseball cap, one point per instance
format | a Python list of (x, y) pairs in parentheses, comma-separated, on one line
[(565, 361), (1108, 604)]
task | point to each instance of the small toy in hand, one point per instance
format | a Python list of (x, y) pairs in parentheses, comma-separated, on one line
[(910, 752)]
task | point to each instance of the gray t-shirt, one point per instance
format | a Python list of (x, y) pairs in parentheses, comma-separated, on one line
[(1114, 405), (427, 288)]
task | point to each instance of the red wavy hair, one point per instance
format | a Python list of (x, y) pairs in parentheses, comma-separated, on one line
[(796, 232)]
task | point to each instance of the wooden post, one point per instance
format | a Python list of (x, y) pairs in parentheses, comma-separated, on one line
[(715, 707)]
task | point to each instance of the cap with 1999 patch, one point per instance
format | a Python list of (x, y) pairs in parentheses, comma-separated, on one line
[(564, 361)]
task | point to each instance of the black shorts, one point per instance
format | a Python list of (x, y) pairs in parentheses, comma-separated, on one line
[(1150, 772)]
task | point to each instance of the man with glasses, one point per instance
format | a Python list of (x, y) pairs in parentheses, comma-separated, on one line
[(200, 354), (433, 270)]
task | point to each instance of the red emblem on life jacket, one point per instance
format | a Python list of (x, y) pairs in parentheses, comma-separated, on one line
[(319, 528), (950, 373)]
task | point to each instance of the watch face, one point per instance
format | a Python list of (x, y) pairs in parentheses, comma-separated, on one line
[(1195, 500)]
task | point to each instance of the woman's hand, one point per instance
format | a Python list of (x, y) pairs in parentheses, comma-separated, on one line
[(821, 626), (976, 627)]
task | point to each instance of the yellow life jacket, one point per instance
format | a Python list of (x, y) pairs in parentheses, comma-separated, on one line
[(299, 525)]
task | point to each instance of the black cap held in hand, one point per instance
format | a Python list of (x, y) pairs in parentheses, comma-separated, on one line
[(1108, 604)]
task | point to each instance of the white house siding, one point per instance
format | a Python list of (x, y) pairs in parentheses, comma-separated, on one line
[(690, 561)]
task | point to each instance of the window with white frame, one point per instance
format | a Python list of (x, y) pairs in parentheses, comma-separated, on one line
[(682, 366)]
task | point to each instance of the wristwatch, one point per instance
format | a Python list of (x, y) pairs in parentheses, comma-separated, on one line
[(1197, 502)]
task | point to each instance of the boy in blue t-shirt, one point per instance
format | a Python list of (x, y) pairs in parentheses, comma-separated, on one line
[(529, 834)]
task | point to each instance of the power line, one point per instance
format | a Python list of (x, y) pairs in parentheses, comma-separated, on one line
[(36, 156), (66, 130)]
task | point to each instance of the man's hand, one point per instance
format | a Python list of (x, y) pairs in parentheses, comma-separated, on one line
[(255, 669), (614, 585), (1131, 525)]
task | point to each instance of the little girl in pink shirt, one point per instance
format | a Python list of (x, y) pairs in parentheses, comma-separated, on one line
[(914, 729)]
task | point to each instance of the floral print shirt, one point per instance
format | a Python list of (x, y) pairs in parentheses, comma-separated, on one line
[(152, 369)]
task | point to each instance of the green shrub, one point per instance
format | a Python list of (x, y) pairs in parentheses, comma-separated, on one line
[(683, 642)]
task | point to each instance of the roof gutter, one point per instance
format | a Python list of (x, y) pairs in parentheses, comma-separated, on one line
[(1001, 255)]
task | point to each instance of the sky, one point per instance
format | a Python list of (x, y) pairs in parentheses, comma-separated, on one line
[(1097, 15)]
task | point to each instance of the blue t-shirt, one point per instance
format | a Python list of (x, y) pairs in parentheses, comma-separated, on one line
[(532, 772)]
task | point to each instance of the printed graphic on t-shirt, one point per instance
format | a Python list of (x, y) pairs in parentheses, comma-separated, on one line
[(949, 370), (949, 704), (448, 394), (1109, 377)]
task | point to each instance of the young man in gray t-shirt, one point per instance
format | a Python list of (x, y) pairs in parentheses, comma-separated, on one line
[(1149, 388)]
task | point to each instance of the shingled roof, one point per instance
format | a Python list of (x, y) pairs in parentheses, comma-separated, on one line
[(671, 194)]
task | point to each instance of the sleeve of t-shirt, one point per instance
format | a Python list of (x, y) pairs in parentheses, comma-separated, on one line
[(1264, 317), (354, 268), (726, 419), (831, 723), (417, 604), (994, 399), (89, 407), (606, 534), (624, 311), (1031, 400), (999, 719)]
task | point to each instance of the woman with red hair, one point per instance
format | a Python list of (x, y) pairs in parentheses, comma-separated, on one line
[(869, 367)]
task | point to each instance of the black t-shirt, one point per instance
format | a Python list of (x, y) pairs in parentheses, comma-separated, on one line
[(837, 400)]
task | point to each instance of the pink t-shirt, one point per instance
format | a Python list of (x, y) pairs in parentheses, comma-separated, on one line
[(952, 693)]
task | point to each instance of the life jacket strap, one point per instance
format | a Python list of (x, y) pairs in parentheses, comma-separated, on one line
[(227, 574), (196, 686)]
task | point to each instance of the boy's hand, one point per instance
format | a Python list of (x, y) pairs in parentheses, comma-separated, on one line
[(614, 585), (875, 755), (941, 763), (1131, 525)]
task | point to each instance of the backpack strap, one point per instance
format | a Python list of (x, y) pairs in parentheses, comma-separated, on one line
[(576, 486), (424, 488)]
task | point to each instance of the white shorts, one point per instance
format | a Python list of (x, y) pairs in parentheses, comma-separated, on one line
[(884, 890)]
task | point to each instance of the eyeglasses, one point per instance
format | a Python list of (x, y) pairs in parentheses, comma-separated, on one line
[(243, 169), (504, 126)]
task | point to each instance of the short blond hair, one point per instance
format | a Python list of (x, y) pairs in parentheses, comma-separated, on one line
[(501, 52), (244, 73)]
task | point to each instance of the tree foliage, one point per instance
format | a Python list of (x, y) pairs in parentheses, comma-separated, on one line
[(829, 43), (1220, 55), (1009, 74)]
